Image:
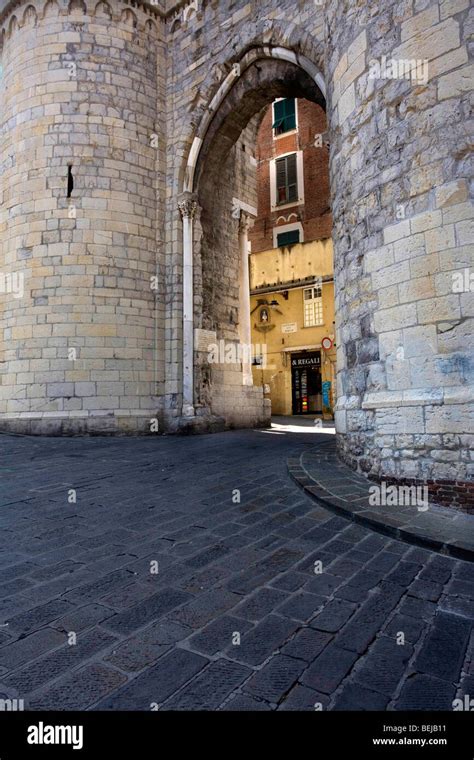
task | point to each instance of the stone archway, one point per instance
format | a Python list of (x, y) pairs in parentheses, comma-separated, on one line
[(402, 380), (299, 70), (210, 194)]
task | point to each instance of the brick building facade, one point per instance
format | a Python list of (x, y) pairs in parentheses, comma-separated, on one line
[(309, 140), (291, 261)]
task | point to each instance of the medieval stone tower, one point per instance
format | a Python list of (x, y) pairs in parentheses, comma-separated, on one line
[(127, 188)]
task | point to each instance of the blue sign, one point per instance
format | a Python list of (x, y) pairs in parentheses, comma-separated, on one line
[(326, 392)]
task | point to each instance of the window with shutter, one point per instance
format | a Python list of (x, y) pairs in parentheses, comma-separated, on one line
[(279, 115), (288, 238), (287, 180), (284, 116)]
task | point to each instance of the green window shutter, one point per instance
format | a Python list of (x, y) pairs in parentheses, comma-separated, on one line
[(284, 115), (281, 180), (279, 111), (290, 116), (288, 238)]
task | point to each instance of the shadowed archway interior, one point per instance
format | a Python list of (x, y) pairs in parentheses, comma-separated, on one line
[(225, 173)]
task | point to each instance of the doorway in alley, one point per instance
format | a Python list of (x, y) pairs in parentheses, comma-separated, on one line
[(306, 383)]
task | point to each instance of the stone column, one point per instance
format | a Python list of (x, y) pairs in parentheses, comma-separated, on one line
[(246, 222), (187, 206)]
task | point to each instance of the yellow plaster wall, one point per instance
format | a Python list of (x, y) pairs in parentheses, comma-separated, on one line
[(284, 266)]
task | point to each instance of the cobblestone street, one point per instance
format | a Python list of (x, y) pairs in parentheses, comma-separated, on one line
[(132, 582)]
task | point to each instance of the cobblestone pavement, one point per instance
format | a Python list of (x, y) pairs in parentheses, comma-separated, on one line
[(334, 485), (237, 616)]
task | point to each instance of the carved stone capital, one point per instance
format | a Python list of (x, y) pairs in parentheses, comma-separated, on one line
[(246, 222), (187, 204)]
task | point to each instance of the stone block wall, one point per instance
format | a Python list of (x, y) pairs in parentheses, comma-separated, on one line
[(81, 90), (403, 229)]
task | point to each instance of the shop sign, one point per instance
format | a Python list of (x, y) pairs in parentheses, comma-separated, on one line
[(306, 360)]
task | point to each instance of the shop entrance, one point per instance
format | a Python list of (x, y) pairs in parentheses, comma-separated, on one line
[(306, 383)]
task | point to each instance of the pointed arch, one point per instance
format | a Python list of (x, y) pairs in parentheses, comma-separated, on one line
[(30, 17), (77, 7), (264, 34), (51, 8), (236, 73), (150, 27), (12, 26), (103, 9), (128, 18)]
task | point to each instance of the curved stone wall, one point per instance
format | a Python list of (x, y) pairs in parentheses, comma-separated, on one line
[(399, 107), (80, 88)]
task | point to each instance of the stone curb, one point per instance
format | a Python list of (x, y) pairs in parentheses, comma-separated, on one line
[(411, 527)]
